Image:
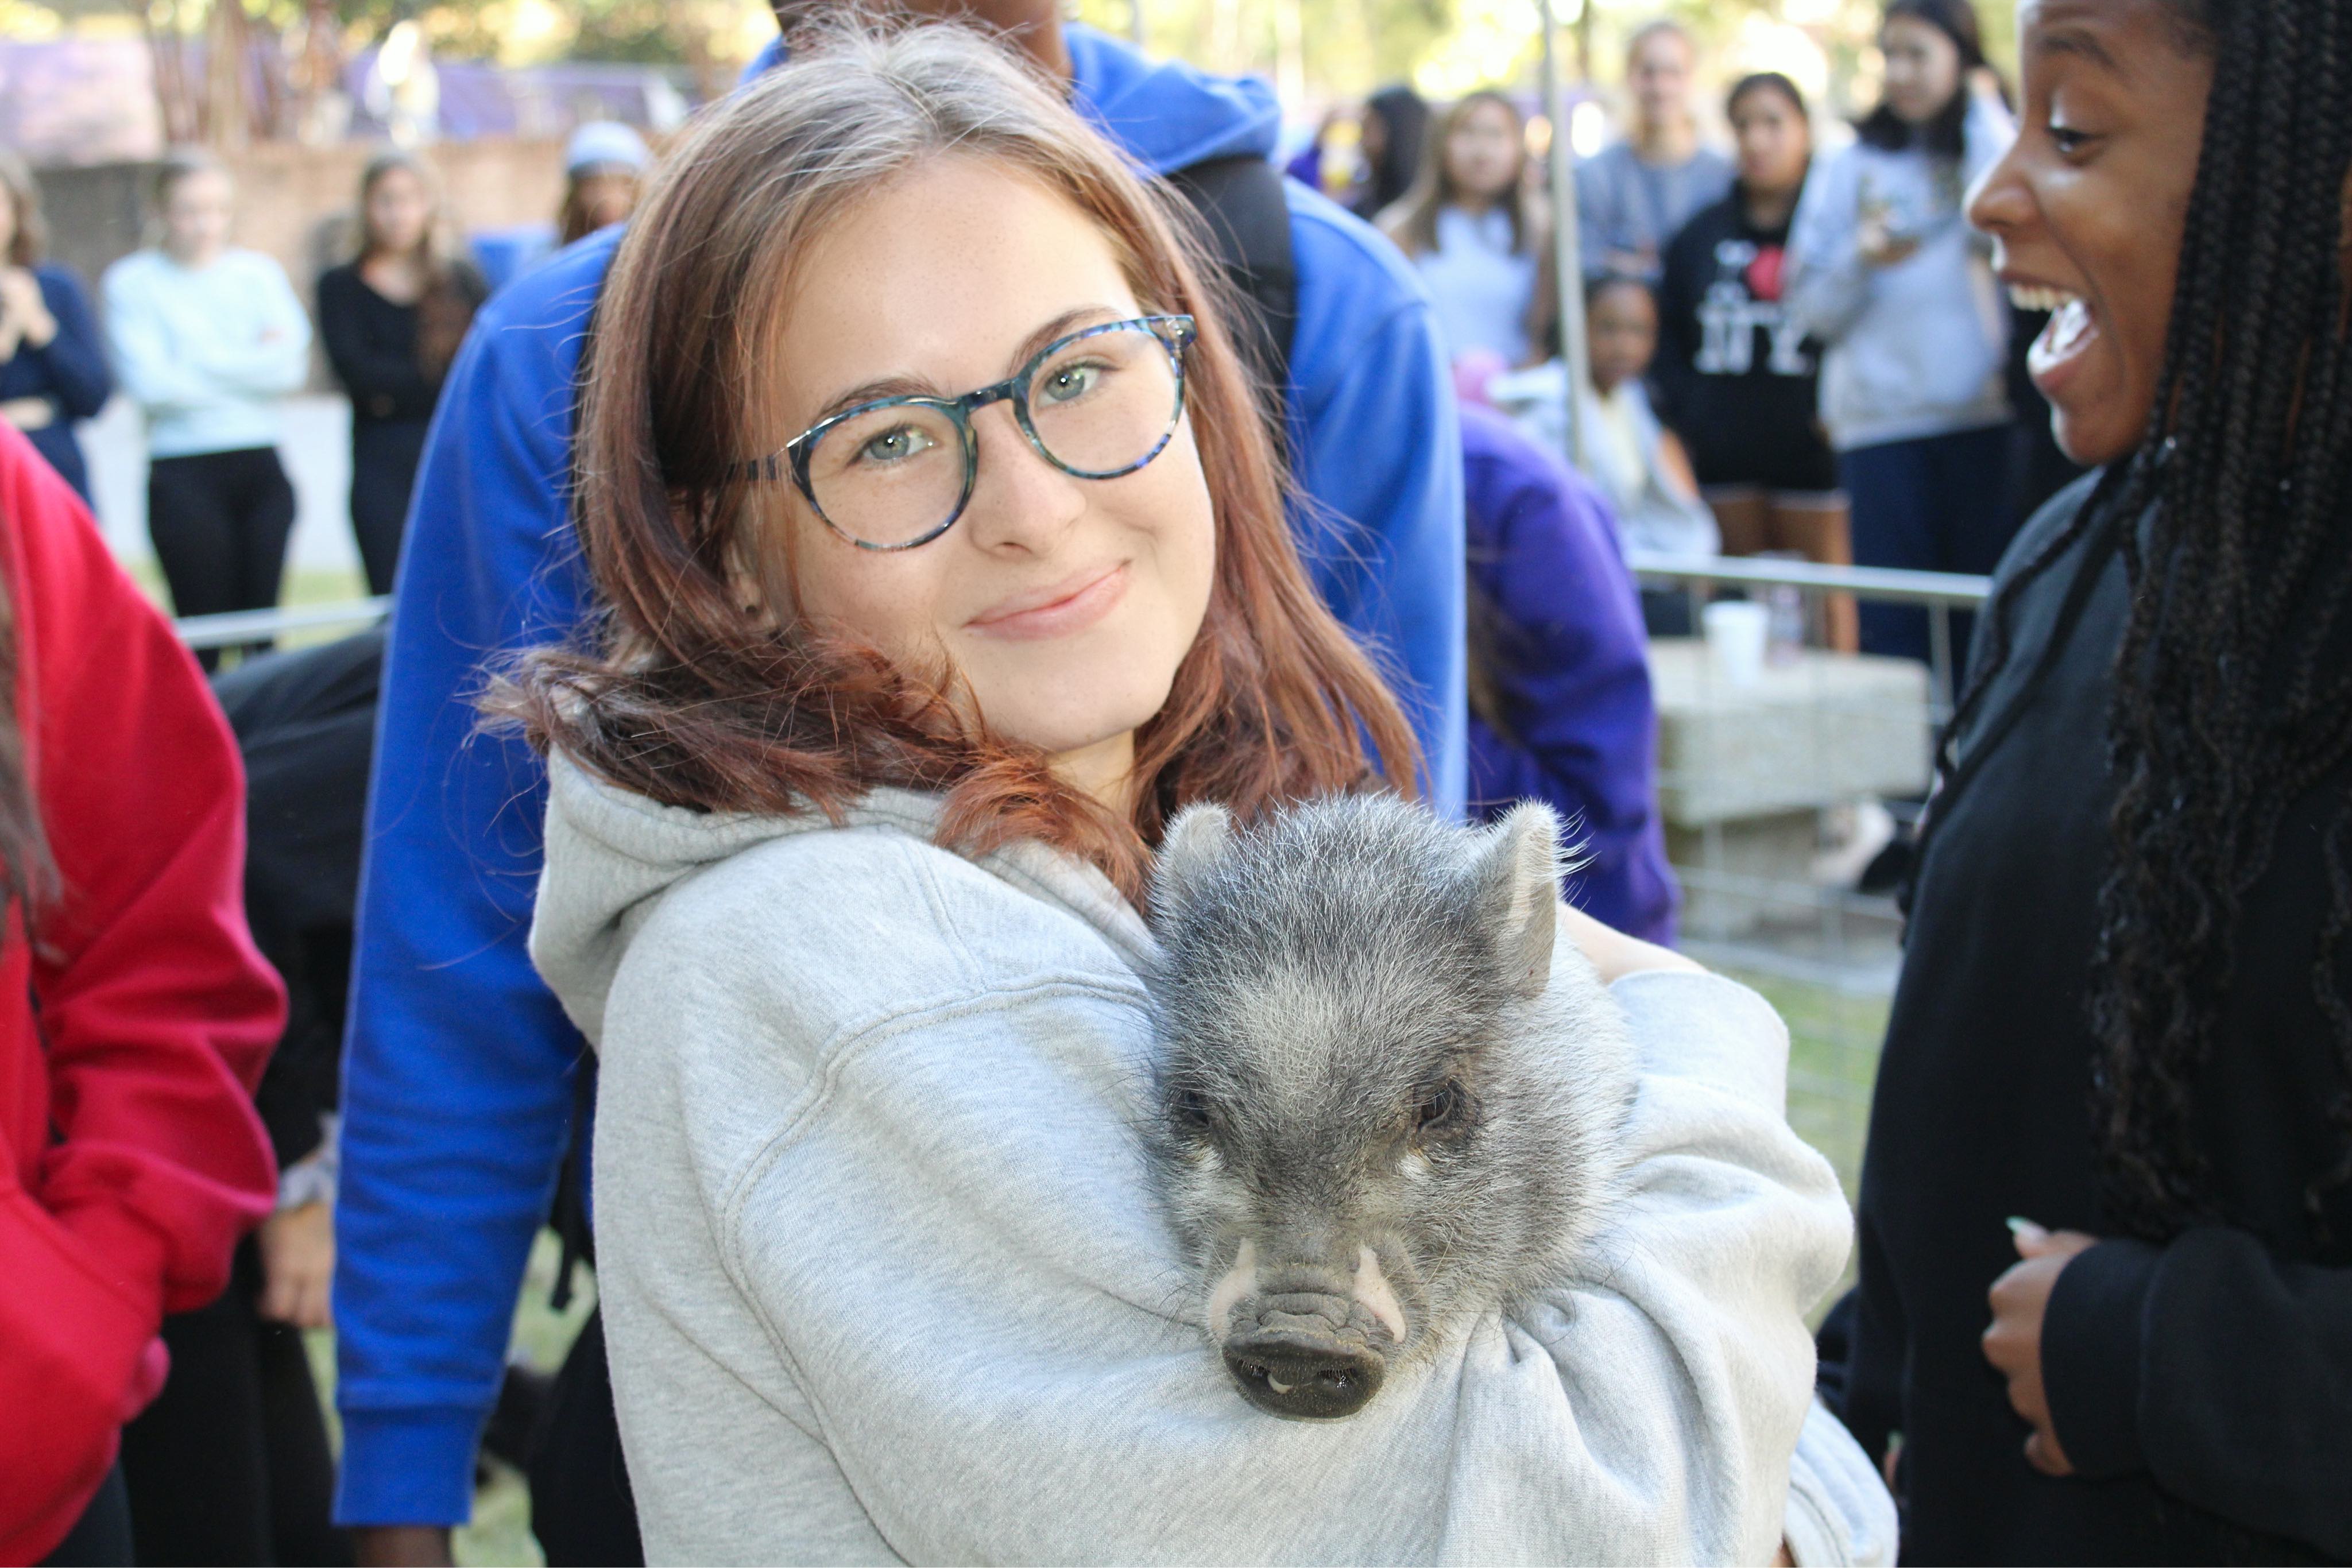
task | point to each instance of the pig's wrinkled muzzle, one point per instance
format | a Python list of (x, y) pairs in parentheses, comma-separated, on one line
[(1305, 1377), (1305, 1340)]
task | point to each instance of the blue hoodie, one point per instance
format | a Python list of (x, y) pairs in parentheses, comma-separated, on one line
[(457, 1077)]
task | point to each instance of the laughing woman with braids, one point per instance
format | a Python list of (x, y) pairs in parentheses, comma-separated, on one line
[(2125, 1015)]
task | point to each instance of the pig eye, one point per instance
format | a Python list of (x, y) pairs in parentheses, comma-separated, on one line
[(1442, 1111), (1190, 1111)]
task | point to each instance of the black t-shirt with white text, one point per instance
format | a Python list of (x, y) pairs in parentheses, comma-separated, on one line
[(1738, 378)]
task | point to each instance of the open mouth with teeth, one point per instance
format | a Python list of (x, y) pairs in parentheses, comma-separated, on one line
[(2071, 330)]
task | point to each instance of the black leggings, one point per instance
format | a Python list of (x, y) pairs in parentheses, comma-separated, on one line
[(230, 1464), (220, 521), (384, 455)]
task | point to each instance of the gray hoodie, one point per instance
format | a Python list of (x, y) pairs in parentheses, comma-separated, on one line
[(1919, 348), (882, 1280)]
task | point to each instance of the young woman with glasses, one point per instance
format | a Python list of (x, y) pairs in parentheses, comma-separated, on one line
[(852, 804)]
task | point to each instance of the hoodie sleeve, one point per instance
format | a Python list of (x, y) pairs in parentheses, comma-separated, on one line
[(1379, 452), (138, 342), (2214, 1368), (455, 1086), (1828, 283), (1574, 674), (278, 357)]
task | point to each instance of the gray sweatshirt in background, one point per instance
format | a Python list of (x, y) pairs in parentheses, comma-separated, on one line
[(1919, 348), (882, 1280)]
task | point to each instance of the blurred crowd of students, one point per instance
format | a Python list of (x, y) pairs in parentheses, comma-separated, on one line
[(1775, 339), (1788, 352), (208, 339)]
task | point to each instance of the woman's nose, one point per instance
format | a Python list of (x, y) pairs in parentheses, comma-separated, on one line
[(1999, 202), (1019, 501)]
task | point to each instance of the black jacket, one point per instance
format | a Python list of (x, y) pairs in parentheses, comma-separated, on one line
[(2203, 1387), (306, 724)]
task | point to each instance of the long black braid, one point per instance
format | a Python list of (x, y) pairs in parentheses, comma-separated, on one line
[(2233, 687)]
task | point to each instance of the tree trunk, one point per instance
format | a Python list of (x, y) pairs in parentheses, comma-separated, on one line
[(228, 115), (168, 59)]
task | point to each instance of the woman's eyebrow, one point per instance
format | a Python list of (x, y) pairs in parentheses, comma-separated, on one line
[(2080, 42), (915, 386), (874, 390), (1065, 322)]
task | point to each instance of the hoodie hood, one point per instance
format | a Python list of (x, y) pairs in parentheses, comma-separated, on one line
[(613, 856), (1166, 115)]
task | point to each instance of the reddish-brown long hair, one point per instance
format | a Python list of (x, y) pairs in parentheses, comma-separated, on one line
[(687, 698)]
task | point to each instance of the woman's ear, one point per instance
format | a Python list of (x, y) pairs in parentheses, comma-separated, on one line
[(756, 583)]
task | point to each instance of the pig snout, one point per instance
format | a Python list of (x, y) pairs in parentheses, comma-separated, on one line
[(1305, 1340), (1304, 1377)]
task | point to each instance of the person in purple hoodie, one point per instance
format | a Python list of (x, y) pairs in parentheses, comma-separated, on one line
[(1560, 689)]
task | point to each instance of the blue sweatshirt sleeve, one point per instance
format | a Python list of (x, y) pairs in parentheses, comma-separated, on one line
[(1377, 448), (456, 1091), (75, 359), (138, 342)]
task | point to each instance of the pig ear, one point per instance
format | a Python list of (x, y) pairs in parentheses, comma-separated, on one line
[(1519, 889), (1196, 840)]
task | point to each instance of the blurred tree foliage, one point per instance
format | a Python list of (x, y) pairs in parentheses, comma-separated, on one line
[(1315, 51), (1322, 50)]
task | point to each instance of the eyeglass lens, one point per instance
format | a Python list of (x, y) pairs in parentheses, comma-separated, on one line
[(1099, 405)]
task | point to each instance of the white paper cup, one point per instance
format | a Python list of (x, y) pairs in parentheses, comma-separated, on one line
[(1737, 633)]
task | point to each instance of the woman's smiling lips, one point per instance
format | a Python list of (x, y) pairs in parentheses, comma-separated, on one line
[(1067, 607)]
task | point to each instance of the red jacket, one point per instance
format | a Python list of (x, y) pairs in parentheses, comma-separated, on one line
[(134, 1027)]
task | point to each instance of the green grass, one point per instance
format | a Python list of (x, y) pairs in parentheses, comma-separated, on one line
[(1833, 1040)]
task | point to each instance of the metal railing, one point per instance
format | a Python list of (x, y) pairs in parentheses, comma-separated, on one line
[(1826, 956), (238, 626), (1937, 592), (1929, 588)]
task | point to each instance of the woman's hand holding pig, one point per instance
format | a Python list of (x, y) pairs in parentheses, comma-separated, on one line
[(1613, 953)]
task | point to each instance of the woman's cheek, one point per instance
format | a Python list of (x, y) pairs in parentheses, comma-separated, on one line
[(888, 600)]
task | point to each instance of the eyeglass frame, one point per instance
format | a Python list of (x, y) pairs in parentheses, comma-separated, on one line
[(1175, 333)]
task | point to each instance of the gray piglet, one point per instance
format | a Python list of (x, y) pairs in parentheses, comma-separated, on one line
[(1387, 1099)]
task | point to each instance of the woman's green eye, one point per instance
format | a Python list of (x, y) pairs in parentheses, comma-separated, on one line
[(895, 445), (1067, 384)]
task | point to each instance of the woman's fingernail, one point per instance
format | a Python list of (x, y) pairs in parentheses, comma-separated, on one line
[(2020, 1226)]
